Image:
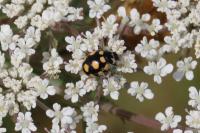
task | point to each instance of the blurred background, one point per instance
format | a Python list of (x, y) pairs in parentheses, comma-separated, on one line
[(169, 93)]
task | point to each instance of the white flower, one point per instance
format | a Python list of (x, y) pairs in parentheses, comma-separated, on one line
[(164, 5), (6, 35), (13, 72), (75, 46), (154, 27), (67, 116), (193, 119), (194, 97), (112, 85), (159, 69), (74, 43), (12, 9), (140, 91), (74, 14), (127, 63), (25, 123), (185, 67), (25, 47), (168, 120), (148, 49), (55, 11), (95, 128), (116, 46), (187, 40), (21, 21), (37, 7), (90, 112), (63, 115), (51, 15), (52, 62), (176, 26), (37, 22), (138, 23), (181, 131), (76, 118), (61, 6), (98, 33), (74, 91), (90, 83), (172, 44), (74, 66), (173, 15), (109, 26), (27, 98), (16, 58), (41, 87), (90, 42), (97, 8), (25, 70), (12, 83), (33, 33)]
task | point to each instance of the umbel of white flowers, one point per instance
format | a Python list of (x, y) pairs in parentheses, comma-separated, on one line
[(24, 87)]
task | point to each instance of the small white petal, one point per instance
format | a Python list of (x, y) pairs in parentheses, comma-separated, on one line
[(189, 75)]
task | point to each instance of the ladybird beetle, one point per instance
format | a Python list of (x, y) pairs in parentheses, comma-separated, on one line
[(98, 62)]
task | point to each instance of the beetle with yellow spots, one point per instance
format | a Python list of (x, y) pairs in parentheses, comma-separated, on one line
[(98, 62)]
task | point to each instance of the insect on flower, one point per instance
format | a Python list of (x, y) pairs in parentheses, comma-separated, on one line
[(98, 62)]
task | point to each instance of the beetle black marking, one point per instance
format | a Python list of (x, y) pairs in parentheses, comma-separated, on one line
[(99, 62)]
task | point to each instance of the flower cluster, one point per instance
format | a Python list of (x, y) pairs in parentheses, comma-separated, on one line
[(104, 37), (90, 115), (40, 15), (102, 51), (20, 87), (63, 119), (181, 20), (140, 22), (191, 119)]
